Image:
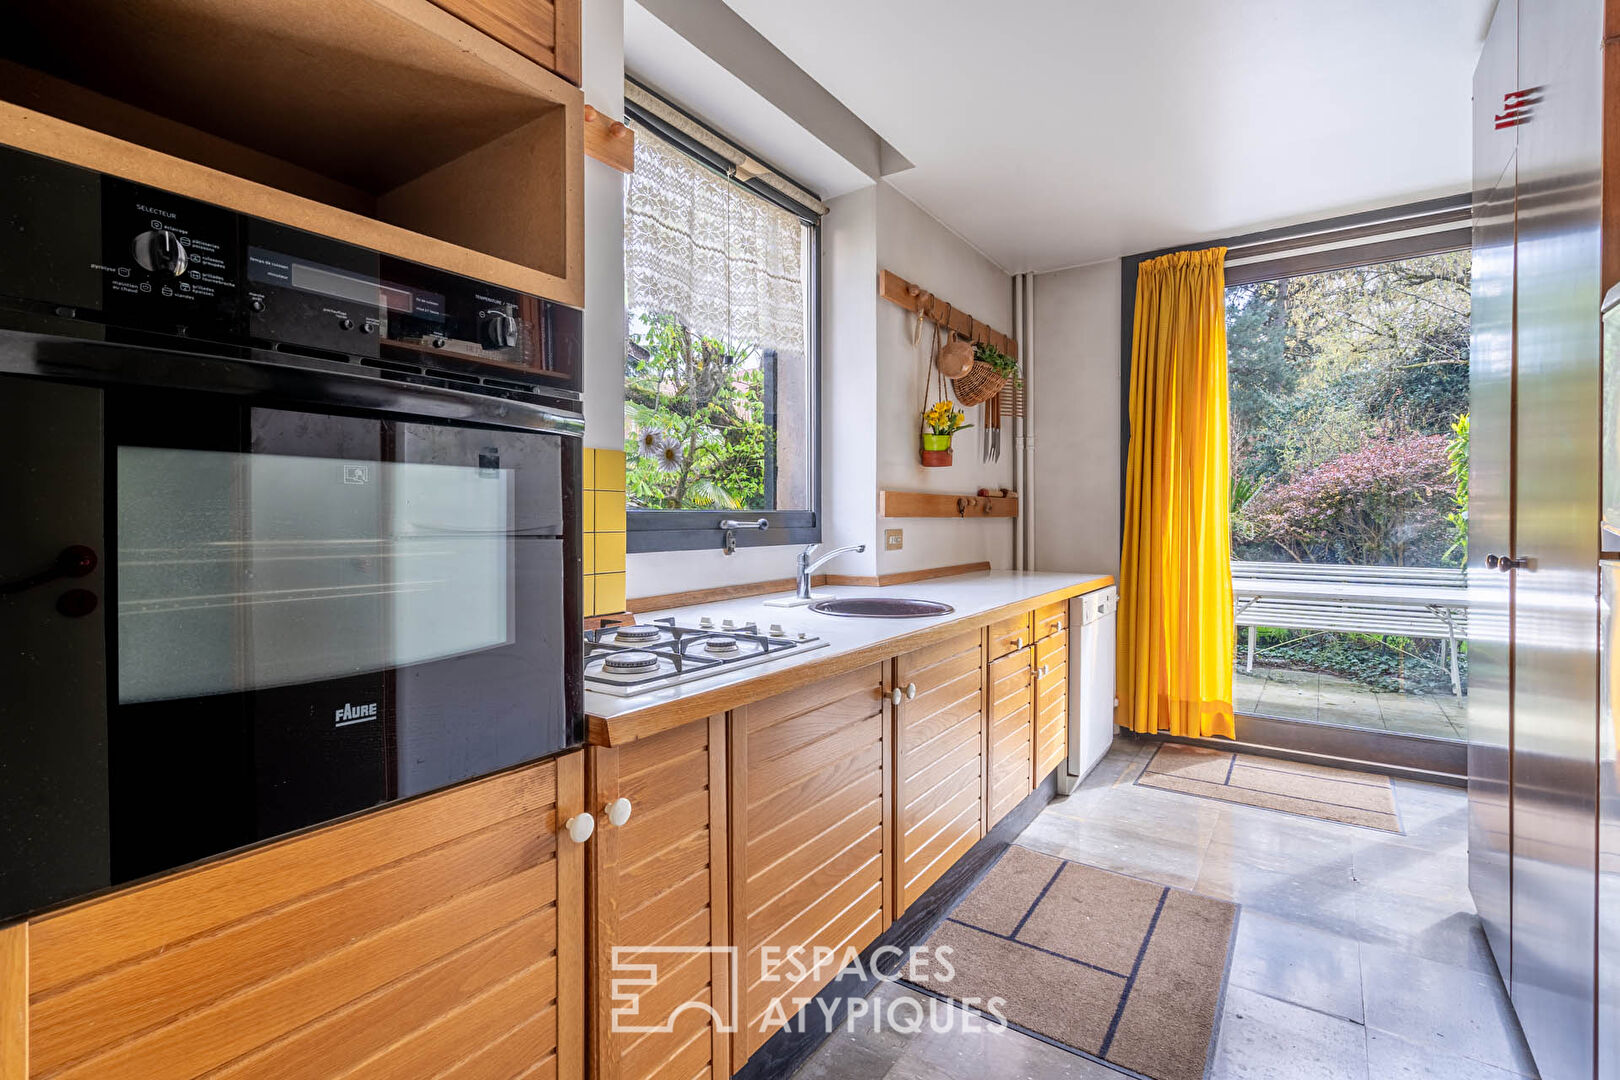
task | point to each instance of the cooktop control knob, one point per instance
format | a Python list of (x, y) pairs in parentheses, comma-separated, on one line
[(499, 330), (160, 251)]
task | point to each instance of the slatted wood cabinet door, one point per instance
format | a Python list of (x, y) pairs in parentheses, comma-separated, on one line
[(1011, 739), (662, 987), (1051, 688), (810, 829), (939, 749), (546, 31), (440, 938)]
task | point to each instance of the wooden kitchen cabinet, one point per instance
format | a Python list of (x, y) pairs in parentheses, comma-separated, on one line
[(1009, 635), (443, 937), (1051, 701), (546, 31), (810, 839), (939, 754), (1011, 730), (659, 898)]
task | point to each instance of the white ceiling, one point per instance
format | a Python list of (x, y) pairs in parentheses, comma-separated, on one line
[(678, 69), (1053, 133)]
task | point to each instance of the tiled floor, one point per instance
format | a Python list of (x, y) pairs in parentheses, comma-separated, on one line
[(1328, 699), (1358, 954)]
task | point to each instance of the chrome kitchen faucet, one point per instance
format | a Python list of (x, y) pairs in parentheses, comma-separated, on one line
[(806, 567)]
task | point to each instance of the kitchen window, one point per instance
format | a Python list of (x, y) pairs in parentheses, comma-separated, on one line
[(721, 364)]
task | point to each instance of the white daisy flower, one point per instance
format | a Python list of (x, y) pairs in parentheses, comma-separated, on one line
[(667, 452)]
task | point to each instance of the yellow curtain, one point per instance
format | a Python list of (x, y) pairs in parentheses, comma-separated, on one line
[(1175, 610)]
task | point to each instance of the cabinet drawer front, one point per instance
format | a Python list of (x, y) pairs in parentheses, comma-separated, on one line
[(1009, 635), (1051, 618)]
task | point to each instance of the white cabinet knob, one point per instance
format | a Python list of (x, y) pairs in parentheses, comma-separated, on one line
[(897, 695), (580, 827), (1044, 671), (617, 812), (911, 691), (1056, 627), (1018, 643)]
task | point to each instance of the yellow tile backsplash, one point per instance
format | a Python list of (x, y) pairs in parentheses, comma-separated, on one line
[(604, 526)]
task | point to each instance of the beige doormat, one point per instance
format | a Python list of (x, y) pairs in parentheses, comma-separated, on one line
[(1113, 967), (1318, 791)]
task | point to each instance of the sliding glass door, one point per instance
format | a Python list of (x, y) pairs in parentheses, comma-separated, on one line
[(1349, 504)]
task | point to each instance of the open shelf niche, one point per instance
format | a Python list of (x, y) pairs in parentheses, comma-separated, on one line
[(385, 123)]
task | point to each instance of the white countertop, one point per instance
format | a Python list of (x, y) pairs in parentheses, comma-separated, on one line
[(971, 595)]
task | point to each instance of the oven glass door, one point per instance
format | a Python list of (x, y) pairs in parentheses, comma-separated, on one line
[(295, 615)]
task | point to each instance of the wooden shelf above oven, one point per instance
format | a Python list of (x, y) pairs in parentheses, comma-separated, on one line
[(385, 123)]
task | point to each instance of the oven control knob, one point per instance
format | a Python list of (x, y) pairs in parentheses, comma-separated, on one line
[(499, 330), (160, 251)]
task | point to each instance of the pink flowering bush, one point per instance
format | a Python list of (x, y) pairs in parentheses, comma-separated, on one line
[(1381, 505)]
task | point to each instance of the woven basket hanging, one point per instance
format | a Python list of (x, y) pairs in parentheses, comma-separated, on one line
[(979, 385)]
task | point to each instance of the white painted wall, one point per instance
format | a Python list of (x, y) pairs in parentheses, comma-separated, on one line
[(1077, 442), (602, 62), (849, 379), (921, 250)]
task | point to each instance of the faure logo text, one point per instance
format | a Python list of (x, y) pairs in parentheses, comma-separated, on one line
[(354, 714)]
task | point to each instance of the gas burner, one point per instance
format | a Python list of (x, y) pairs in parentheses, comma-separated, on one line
[(630, 663), (635, 659), (639, 634)]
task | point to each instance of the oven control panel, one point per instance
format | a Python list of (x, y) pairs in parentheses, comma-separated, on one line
[(106, 251)]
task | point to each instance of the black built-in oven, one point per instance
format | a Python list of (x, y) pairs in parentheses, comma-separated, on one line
[(290, 530)]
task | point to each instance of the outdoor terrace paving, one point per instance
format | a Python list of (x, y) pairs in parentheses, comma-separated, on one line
[(1329, 699)]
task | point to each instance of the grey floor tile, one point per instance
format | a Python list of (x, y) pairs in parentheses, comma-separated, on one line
[(1339, 924), (1447, 932), (1390, 1057), (1265, 1039), (972, 1048), (1441, 1007), (1400, 867), (1124, 850), (1322, 897), (1298, 964), (867, 1047)]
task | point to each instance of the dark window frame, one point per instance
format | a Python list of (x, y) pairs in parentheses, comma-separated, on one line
[(694, 530)]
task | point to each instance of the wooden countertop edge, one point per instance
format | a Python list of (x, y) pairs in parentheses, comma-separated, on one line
[(654, 719)]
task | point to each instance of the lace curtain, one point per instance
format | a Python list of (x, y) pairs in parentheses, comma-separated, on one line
[(723, 261)]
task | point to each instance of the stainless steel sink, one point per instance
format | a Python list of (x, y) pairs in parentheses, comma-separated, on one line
[(880, 607)]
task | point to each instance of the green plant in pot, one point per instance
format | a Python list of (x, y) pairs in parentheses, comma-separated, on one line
[(940, 422)]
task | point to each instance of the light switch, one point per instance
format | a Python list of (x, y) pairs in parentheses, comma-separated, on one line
[(894, 539)]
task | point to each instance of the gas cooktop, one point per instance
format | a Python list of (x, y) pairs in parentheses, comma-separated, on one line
[(635, 659)]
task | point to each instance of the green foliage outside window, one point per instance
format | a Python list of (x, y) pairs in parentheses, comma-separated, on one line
[(695, 421), (1347, 389)]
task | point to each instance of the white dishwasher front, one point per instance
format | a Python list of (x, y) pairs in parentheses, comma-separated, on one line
[(1091, 688)]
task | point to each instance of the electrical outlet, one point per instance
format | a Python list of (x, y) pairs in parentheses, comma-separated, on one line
[(894, 539)]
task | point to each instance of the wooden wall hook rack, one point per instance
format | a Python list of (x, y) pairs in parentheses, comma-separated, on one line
[(903, 504), (897, 290), (609, 141)]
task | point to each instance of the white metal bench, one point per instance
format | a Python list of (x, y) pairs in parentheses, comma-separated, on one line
[(1410, 601)]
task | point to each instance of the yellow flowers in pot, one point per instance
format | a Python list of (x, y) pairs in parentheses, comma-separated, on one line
[(942, 420)]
